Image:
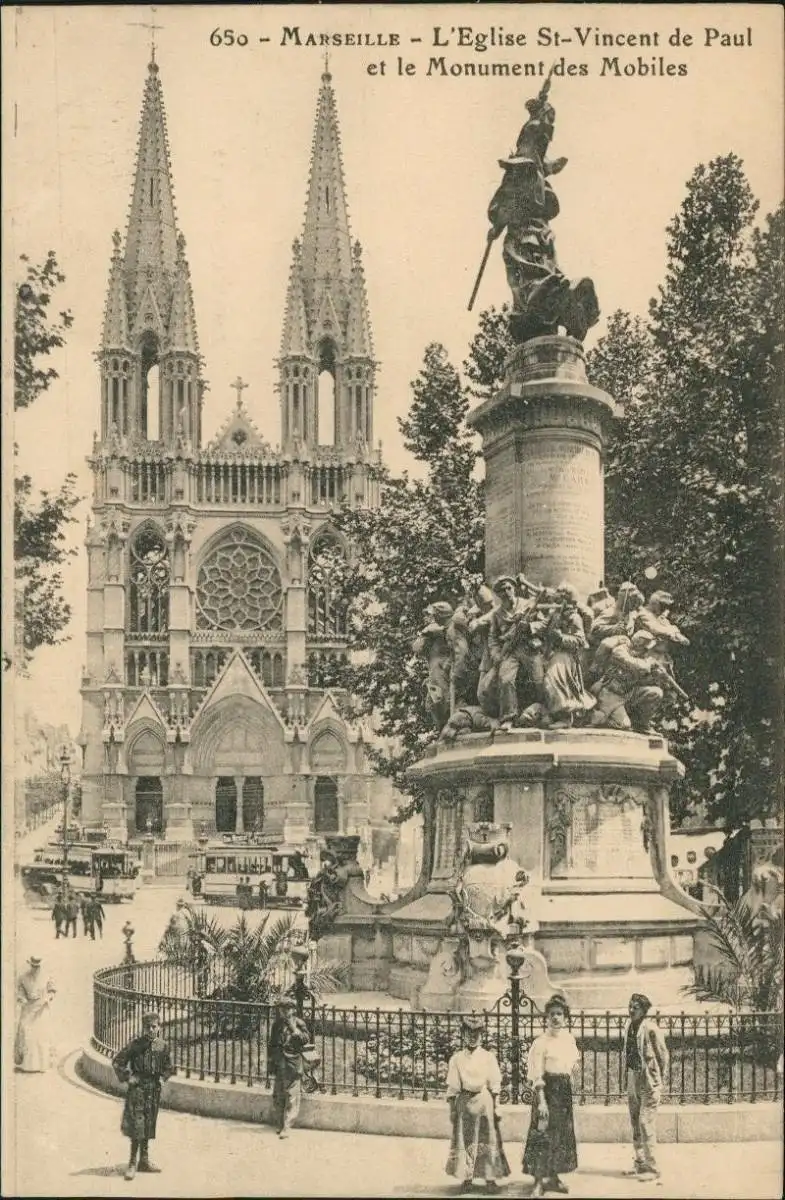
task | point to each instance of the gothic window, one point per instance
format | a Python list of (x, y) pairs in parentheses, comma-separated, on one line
[(149, 583), (326, 615), (239, 586)]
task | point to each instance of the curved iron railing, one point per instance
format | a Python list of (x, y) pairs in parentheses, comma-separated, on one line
[(713, 1058)]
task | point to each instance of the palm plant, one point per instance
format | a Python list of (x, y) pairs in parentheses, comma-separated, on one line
[(747, 943), (195, 942), (748, 947), (253, 963)]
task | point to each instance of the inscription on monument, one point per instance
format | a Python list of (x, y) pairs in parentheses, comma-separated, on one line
[(562, 512), (598, 832)]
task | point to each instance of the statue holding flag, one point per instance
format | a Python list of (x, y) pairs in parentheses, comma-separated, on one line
[(524, 204)]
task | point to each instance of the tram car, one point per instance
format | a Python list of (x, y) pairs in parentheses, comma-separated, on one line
[(252, 873), (112, 871)]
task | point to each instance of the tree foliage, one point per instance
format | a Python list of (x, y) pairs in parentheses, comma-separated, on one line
[(36, 334), (416, 548), (40, 549), (694, 481), (40, 545)]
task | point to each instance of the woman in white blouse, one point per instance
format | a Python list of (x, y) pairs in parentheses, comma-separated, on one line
[(550, 1145), (473, 1084)]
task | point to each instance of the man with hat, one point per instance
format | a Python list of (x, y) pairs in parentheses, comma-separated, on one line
[(473, 1084), (654, 617), (510, 647), (33, 1049), (646, 1061), (289, 1037), (144, 1064), (630, 690)]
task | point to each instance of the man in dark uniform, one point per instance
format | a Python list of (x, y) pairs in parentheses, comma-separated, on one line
[(58, 915), (288, 1038), (88, 926), (97, 914), (145, 1065), (71, 913)]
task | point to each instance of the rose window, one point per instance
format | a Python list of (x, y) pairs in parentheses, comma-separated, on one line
[(239, 586)]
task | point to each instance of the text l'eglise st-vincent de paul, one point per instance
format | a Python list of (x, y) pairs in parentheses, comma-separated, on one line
[(497, 37)]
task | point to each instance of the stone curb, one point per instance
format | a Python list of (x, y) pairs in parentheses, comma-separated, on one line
[(416, 1118)]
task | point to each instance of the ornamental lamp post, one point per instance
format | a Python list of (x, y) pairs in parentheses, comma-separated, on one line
[(65, 775), (515, 957), (300, 956)]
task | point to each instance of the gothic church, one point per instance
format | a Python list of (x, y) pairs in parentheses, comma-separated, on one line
[(211, 625)]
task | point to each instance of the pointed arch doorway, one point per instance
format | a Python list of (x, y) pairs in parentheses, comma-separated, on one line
[(149, 806), (226, 804)]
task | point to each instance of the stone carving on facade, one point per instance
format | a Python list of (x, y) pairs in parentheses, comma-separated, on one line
[(180, 527), (296, 676), (114, 714), (326, 891), (524, 204), (521, 655), (295, 537), (481, 897), (114, 531)]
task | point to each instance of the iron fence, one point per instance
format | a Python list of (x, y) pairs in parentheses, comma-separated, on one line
[(713, 1058)]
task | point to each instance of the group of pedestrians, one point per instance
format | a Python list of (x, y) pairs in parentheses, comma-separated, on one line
[(550, 1151), (67, 908)]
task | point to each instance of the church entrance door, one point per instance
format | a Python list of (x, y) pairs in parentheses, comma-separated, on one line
[(226, 804), (149, 809)]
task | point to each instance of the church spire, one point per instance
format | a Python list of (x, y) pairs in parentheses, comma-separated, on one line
[(151, 241), (326, 344), (326, 251), (150, 362)]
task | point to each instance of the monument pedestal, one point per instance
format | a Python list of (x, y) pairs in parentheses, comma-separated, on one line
[(588, 817)]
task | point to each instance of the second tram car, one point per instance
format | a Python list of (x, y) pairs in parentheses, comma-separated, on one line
[(253, 873)]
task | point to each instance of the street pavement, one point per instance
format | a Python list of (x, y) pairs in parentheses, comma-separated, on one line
[(66, 1138)]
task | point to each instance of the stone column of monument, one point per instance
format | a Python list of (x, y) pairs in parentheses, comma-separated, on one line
[(587, 807)]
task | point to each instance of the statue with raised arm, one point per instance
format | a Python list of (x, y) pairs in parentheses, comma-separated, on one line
[(544, 299)]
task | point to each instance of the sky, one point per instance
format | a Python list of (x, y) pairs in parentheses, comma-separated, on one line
[(420, 154)]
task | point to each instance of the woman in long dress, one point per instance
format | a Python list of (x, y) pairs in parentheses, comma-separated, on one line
[(33, 1049), (473, 1084), (550, 1148), (566, 698)]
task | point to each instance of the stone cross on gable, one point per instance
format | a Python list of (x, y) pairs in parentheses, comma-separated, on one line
[(239, 386)]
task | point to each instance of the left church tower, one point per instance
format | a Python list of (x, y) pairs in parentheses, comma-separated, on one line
[(150, 365), (150, 425)]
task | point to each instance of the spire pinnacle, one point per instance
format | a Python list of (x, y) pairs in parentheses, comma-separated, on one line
[(151, 240), (326, 241)]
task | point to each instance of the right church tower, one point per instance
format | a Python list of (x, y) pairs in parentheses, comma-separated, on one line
[(327, 367)]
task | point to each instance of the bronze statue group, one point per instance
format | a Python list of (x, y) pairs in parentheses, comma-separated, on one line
[(518, 655), (550, 1150)]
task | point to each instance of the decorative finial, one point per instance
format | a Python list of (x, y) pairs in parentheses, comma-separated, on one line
[(357, 251), (239, 385), (152, 66), (181, 244), (326, 76), (117, 241)]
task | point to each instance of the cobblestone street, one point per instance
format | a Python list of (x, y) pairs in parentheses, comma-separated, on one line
[(68, 1140)]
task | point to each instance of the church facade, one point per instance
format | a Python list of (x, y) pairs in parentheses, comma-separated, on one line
[(211, 625)]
